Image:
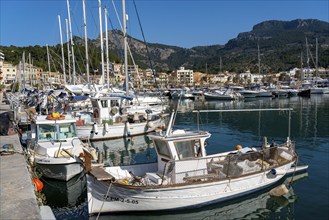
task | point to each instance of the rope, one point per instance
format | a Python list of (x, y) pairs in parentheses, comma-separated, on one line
[(293, 175), (108, 190)]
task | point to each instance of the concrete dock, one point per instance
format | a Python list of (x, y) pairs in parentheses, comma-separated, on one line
[(17, 196)]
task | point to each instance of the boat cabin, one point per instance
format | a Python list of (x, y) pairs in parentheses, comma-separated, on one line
[(180, 154), (44, 129)]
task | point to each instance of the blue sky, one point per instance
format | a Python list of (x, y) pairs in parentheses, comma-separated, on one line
[(183, 23)]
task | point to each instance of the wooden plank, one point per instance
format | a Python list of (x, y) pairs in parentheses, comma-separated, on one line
[(100, 174)]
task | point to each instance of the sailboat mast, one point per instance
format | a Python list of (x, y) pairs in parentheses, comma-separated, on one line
[(71, 36), (307, 59), (316, 57), (124, 16), (101, 36), (86, 39), (68, 47), (258, 59), (107, 49), (61, 38), (23, 61), (30, 71), (48, 59)]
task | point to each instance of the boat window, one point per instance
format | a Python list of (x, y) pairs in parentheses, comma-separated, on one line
[(66, 130), (47, 132), (162, 148), (188, 149), (114, 103), (104, 103)]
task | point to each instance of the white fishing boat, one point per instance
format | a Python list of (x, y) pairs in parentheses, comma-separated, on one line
[(185, 176), (54, 147), (111, 119)]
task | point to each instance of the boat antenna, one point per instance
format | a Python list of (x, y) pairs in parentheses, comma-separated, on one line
[(289, 123), (173, 117)]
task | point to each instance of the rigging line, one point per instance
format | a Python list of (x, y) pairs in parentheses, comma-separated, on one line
[(60, 58), (129, 50), (78, 48), (147, 50), (146, 45)]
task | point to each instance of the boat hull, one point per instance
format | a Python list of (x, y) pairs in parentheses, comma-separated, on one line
[(105, 197), (86, 132), (59, 168)]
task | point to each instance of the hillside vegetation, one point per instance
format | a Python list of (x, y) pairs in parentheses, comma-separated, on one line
[(281, 45)]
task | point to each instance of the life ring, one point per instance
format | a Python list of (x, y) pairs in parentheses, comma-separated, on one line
[(96, 113), (55, 116), (114, 110)]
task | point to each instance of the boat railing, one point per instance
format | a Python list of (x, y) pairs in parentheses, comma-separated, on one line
[(225, 166)]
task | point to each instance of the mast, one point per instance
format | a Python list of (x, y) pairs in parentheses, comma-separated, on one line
[(308, 60), (258, 59), (61, 38), (316, 57), (86, 38), (101, 36), (107, 49), (30, 71), (23, 61), (124, 16), (71, 36), (48, 59), (68, 47)]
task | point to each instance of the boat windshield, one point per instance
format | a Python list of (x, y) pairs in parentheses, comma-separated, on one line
[(66, 130), (188, 149), (162, 148), (47, 132)]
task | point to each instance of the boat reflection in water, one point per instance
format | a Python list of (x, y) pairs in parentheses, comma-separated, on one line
[(67, 199), (126, 151), (254, 206)]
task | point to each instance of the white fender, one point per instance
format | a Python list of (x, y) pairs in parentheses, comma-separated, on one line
[(106, 127), (95, 127), (128, 129)]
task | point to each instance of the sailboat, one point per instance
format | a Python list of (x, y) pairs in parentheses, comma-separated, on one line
[(114, 115)]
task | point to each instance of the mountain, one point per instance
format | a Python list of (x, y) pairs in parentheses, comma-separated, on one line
[(281, 44)]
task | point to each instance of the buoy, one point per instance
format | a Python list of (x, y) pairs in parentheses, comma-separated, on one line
[(128, 129), (38, 184), (279, 190), (95, 128), (238, 147), (106, 126)]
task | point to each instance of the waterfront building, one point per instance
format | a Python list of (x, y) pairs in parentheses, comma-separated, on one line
[(182, 77), (8, 74), (163, 80), (2, 58)]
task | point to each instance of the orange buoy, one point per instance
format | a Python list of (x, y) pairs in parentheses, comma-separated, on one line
[(38, 184), (238, 147)]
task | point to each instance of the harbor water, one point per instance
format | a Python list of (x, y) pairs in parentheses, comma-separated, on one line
[(308, 197)]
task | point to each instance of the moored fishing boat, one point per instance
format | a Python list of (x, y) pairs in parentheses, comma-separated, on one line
[(54, 147), (111, 119), (185, 176)]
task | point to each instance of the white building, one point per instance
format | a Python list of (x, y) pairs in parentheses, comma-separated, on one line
[(2, 58), (8, 73), (249, 77), (184, 77)]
